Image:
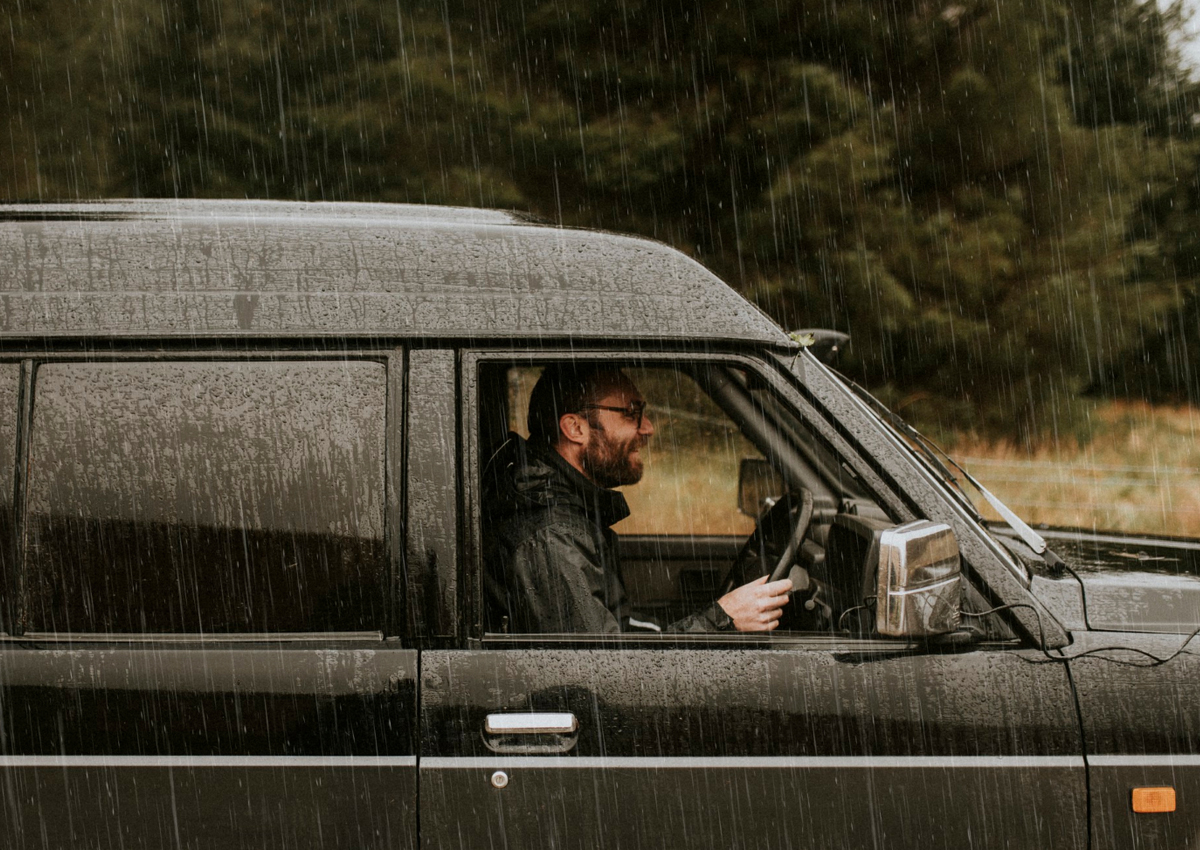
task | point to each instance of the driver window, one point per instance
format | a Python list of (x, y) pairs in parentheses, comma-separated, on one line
[(680, 526), (689, 487)]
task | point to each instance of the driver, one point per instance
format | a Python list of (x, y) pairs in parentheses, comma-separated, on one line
[(552, 558)]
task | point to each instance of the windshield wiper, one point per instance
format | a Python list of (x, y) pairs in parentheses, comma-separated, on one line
[(930, 451)]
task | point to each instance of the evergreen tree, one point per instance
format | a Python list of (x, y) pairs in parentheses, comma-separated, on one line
[(996, 200)]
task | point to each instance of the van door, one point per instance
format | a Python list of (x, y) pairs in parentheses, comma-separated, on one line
[(195, 651), (779, 742), (790, 739)]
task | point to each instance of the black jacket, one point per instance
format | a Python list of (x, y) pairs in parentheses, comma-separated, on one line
[(552, 559)]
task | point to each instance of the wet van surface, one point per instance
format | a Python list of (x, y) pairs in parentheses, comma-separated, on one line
[(247, 458)]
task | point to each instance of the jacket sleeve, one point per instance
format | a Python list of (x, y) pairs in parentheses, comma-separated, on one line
[(558, 583), (711, 619)]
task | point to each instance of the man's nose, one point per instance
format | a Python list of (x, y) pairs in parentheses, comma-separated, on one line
[(647, 426)]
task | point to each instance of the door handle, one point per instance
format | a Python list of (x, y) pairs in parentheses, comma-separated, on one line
[(531, 723)]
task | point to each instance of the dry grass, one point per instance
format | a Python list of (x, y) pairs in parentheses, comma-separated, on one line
[(1139, 472), (687, 493)]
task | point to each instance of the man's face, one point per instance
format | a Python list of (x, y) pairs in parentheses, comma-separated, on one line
[(613, 454)]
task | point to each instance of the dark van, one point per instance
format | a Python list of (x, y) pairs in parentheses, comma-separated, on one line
[(241, 566)]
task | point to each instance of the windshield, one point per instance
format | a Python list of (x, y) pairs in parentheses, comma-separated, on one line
[(956, 478), (932, 456)]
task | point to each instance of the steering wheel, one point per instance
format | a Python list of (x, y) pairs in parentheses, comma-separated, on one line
[(776, 540)]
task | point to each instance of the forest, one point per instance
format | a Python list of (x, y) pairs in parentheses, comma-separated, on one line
[(1000, 202)]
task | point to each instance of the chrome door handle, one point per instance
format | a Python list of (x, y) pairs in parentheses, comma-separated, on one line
[(531, 723)]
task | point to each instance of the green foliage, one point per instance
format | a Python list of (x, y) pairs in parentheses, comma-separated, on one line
[(1121, 66), (998, 201)]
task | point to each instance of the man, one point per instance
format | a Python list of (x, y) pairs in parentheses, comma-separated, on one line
[(551, 554)]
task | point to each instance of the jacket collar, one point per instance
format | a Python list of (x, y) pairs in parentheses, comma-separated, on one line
[(607, 506)]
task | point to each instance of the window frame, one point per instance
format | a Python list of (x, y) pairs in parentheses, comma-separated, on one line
[(471, 603), (394, 361)]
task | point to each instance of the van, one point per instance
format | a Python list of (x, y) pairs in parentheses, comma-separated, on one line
[(245, 447)]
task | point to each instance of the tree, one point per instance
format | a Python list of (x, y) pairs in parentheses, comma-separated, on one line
[(992, 198)]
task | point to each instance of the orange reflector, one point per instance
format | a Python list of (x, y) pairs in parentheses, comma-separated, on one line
[(1146, 800)]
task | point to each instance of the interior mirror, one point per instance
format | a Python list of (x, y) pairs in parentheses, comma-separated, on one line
[(759, 486), (918, 582)]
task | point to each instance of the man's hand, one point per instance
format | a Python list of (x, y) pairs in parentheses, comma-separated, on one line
[(757, 606)]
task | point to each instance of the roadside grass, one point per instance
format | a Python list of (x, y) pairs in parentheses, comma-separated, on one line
[(1139, 472), (1127, 466), (688, 492)]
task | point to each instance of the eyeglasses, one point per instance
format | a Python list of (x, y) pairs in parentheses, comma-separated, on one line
[(634, 412)]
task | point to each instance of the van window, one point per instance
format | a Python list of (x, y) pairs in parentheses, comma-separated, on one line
[(690, 484), (187, 497), (706, 425)]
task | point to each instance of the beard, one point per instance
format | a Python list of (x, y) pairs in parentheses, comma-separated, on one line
[(610, 463)]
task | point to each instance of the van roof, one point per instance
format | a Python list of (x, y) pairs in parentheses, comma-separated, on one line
[(189, 268)]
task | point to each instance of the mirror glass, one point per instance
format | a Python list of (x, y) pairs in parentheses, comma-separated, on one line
[(918, 581)]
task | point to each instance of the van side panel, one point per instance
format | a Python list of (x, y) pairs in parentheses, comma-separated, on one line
[(208, 804), (1141, 723), (851, 746), (431, 487), (226, 748)]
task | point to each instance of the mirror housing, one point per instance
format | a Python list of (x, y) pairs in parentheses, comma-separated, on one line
[(759, 486), (918, 583), (825, 343)]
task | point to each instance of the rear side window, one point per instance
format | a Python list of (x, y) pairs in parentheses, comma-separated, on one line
[(191, 497)]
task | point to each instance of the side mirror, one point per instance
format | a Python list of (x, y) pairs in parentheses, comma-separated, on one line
[(759, 487), (918, 580), (825, 343)]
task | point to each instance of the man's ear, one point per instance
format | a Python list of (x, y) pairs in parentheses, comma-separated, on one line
[(573, 428)]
